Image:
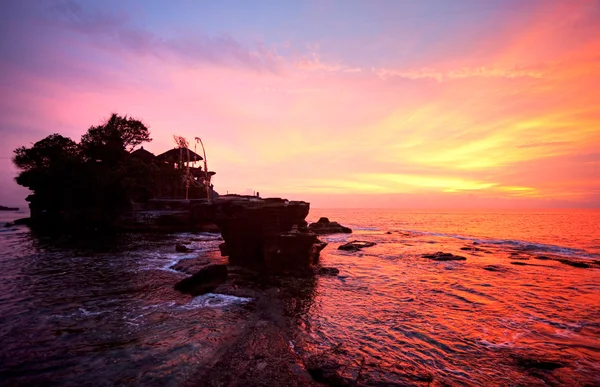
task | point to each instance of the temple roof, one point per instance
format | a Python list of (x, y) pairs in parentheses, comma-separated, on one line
[(143, 154), (173, 155)]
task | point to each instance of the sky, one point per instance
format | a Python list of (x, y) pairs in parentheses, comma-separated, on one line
[(405, 104)]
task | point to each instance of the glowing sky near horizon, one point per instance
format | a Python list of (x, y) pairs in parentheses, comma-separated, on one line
[(341, 103)]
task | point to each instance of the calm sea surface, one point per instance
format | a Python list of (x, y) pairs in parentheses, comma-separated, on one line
[(102, 311)]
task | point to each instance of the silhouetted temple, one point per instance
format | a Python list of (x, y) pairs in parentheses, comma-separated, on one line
[(175, 171)]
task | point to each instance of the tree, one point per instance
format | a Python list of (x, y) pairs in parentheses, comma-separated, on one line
[(54, 149), (86, 184), (112, 140)]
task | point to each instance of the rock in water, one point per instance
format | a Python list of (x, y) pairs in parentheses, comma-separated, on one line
[(440, 256), (181, 248), (332, 271), (355, 245), (204, 281), (268, 234), (324, 226)]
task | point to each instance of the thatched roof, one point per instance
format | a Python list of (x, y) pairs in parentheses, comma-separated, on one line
[(143, 155), (173, 155)]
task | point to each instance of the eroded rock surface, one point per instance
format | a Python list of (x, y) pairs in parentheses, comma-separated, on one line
[(323, 226), (204, 281), (269, 234), (355, 245)]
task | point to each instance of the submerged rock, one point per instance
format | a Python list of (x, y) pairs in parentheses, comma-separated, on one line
[(470, 248), (580, 264), (324, 226), (326, 371), (331, 271), (440, 256), (181, 248), (494, 268), (355, 245), (540, 364), (204, 281)]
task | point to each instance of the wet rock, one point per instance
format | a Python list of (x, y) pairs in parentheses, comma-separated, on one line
[(18, 222), (191, 266), (181, 248), (538, 364), (223, 249), (470, 248), (268, 234), (331, 271), (210, 228), (494, 268), (440, 256), (518, 263), (355, 245), (573, 263), (323, 226), (326, 371), (204, 281)]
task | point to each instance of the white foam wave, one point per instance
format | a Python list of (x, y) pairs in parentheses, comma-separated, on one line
[(165, 262), (214, 300)]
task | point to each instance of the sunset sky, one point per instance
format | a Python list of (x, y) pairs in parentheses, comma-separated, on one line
[(414, 104)]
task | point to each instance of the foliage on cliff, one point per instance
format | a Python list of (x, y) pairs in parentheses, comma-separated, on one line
[(88, 182)]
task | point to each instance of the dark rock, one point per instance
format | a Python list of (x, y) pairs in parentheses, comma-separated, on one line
[(470, 248), (543, 257), (440, 256), (580, 264), (332, 271), (324, 226), (475, 242), (204, 281), (519, 263), (19, 222), (326, 371), (493, 268), (389, 232), (268, 234), (181, 248), (355, 245), (223, 249), (539, 364), (190, 266), (210, 228), (3, 208)]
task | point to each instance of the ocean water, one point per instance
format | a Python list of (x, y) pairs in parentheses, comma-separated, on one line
[(102, 311), (401, 318)]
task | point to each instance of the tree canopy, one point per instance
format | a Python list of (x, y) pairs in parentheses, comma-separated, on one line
[(90, 181)]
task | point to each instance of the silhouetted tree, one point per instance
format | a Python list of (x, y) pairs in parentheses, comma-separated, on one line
[(89, 183), (112, 140)]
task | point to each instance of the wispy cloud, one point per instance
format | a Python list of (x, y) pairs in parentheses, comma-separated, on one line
[(117, 31)]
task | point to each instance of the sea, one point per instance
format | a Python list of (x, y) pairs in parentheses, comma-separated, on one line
[(101, 310)]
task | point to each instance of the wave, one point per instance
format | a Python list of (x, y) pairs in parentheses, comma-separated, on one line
[(525, 246), (214, 300)]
